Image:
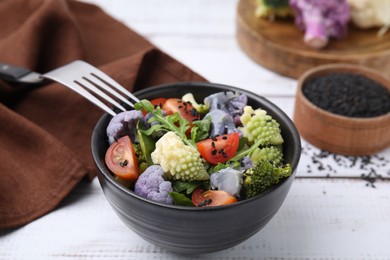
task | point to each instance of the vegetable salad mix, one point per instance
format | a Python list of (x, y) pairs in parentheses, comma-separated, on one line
[(179, 151)]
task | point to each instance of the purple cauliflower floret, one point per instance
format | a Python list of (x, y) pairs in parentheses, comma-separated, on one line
[(123, 124), (221, 122), (321, 19), (151, 185), (228, 179), (229, 102)]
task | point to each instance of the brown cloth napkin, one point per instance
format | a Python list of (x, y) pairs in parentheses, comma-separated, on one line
[(45, 131)]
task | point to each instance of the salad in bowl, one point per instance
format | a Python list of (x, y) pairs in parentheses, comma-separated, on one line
[(201, 153)]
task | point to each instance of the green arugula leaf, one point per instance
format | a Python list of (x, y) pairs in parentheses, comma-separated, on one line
[(180, 199), (144, 104), (188, 187), (146, 143), (200, 129)]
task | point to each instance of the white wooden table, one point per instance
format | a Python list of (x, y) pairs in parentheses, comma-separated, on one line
[(331, 212)]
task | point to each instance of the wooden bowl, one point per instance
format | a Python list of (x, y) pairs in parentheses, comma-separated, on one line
[(336, 133), (278, 45)]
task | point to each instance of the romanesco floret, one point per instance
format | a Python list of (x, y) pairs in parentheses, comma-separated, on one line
[(264, 175), (178, 160), (151, 185), (260, 127), (270, 153)]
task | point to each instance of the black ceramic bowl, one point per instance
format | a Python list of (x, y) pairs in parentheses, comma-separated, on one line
[(191, 230)]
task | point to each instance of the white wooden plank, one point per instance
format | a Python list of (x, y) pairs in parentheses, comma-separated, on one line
[(190, 17)]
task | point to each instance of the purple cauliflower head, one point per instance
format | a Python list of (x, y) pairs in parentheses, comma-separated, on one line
[(221, 122), (230, 102), (321, 19), (151, 185), (228, 179), (123, 124)]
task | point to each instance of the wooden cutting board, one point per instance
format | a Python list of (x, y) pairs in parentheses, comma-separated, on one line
[(278, 45)]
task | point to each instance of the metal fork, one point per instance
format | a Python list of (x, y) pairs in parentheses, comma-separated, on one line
[(81, 77)]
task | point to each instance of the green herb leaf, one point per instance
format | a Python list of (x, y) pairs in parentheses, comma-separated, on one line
[(245, 152), (200, 129), (188, 187), (144, 104), (146, 143), (152, 129), (180, 199)]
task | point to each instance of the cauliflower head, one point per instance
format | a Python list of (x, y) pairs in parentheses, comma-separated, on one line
[(123, 124), (151, 185), (178, 160)]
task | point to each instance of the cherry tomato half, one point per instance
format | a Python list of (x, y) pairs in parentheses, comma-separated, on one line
[(202, 198), (219, 149), (158, 102), (121, 160), (185, 109)]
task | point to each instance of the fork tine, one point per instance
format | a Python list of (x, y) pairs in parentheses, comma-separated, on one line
[(103, 77), (85, 83), (104, 86)]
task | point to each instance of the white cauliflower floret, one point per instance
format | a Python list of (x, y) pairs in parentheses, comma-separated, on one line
[(178, 160)]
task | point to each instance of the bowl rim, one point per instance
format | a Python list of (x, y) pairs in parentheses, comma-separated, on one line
[(103, 171), (343, 68)]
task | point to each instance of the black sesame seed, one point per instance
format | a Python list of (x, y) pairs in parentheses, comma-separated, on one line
[(124, 163), (213, 144), (205, 202), (193, 112), (214, 152)]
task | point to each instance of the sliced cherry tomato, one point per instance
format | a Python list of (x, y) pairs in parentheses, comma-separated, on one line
[(202, 198), (121, 160), (185, 109), (157, 102), (219, 149)]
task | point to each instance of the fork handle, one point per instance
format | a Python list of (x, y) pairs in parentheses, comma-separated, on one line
[(12, 73)]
